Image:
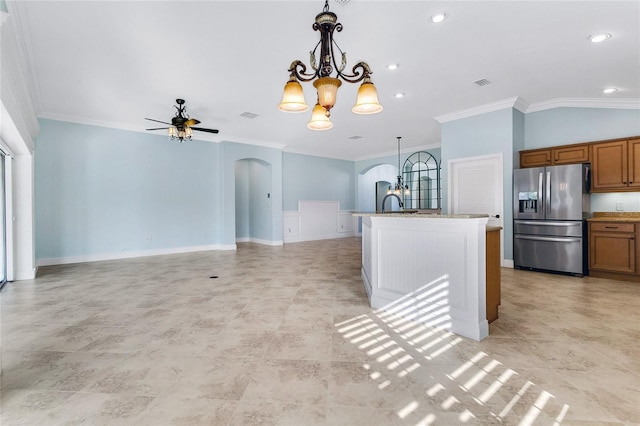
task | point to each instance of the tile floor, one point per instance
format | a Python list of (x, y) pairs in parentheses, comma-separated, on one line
[(284, 336)]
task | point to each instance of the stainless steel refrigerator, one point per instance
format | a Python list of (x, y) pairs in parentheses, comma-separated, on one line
[(550, 205)]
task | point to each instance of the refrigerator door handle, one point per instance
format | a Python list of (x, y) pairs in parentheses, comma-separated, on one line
[(541, 195), (548, 194), (541, 223), (551, 239)]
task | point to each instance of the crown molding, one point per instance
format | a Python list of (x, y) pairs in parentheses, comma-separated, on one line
[(206, 137), (402, 151), (526, 108), (628, 103), (515, 102)]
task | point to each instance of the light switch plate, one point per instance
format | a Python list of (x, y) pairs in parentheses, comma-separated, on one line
[(620, 207)]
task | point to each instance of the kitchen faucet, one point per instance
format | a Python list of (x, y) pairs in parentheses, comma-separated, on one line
[(400, 203)]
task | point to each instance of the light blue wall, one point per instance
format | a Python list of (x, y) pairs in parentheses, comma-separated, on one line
[(101, 191), (484, 134), (242, 200), (260, 205), (308, 178), (563, 126)]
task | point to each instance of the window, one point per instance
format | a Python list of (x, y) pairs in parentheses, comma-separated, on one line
[(422, 174)]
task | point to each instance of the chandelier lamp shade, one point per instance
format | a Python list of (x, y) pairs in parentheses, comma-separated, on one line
[(327, 77), (400, 188)]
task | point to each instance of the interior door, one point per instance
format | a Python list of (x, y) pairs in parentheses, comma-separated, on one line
[(476, 187)]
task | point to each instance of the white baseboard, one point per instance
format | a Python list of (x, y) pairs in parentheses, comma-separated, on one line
[(506, 263), (130, 254), (259, 241), (300, 239)]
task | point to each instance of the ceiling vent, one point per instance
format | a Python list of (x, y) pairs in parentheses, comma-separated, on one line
[(482, 82), (248, 115)]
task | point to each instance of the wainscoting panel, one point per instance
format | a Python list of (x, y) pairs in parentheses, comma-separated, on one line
[(317, 220)]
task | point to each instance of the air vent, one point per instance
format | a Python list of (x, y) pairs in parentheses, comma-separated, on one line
[(482, 82), (355, 137), (248, 115)]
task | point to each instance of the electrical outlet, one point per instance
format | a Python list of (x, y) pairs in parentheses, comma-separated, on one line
[(620, 207)]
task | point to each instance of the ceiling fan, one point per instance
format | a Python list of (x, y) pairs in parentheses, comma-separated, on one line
[(181, 126)]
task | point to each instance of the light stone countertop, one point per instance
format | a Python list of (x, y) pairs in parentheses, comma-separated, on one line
[(615, 217), (418, 215)]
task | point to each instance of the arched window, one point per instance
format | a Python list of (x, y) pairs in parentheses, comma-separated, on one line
[(422, 174)]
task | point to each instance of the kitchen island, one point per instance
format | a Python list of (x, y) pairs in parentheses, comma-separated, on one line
[(427, 268)]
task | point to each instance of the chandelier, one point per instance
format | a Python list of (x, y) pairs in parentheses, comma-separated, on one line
[(326, 85), (400, 187)]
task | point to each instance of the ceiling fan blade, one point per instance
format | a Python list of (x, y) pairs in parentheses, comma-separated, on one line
[(201, 129), (159, 128), (191, 122), (157, 121)]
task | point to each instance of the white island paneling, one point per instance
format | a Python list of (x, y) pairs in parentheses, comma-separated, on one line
[(429, 268)]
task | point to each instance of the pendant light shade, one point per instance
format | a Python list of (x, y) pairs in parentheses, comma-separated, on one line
[(367, 101), (327, 88), (293, 97), (319, 119)]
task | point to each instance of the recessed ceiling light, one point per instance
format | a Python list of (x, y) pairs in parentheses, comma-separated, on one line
[(598, 38), (399, 95), (392, 66), (438, 17), (609, 90)]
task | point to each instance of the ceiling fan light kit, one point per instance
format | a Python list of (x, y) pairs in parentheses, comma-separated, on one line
[(327, 85), (182, 126)]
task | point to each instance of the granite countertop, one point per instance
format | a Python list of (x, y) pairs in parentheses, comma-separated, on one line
[(615, 217), (413, 215)]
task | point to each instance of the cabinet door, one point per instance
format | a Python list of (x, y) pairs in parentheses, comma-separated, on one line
[(535, 158), (610, 164), (634, 163), (610, 250), (571, 154)]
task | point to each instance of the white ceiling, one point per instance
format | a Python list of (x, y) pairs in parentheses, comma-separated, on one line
[(114, 63)]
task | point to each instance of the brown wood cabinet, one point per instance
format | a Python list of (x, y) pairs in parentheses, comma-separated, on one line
[(614, 251), (493, 272), (535, 158), (616, 166), (567, 154), (572, 154)]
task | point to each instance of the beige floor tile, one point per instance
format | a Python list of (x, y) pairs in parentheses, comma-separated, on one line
[(285, 336)]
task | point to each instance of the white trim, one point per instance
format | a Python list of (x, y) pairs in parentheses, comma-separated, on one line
[(9, 232), (259, 241), (206, 137), (584, 103), (522, 106), (515, 102), (299, 239), (507, 263), (131, 254), (411, 150)]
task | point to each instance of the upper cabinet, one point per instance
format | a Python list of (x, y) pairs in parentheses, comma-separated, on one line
[(569, 154), (616, 166)]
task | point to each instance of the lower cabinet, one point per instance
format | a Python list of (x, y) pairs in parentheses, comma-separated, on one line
[(613, 250), (493, 273)]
